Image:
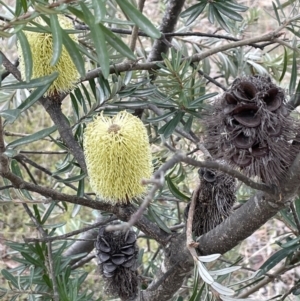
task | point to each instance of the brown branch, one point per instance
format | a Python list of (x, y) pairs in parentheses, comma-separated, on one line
[(10, 67), (168, 25), (53, 108)]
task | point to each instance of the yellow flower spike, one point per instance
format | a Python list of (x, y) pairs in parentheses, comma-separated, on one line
[(41, 46), (118, 157)]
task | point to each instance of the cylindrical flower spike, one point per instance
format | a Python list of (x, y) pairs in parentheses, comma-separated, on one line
[(41, 45), (250, 128), (118, 157)]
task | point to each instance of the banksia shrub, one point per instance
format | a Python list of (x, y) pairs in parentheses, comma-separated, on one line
[(41, 45), (214, 201), (117, 253), (118, 157), (250, 128)]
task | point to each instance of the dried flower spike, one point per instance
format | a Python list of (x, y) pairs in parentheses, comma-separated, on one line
[(41, 45), (214, 202), (118, 157), (117, 253), (250, 128)]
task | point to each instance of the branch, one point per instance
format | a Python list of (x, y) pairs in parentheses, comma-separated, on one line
[(126, 66), (53, 108), (168, 25), (10, 68)]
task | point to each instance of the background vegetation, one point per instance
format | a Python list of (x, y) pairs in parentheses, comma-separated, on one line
[(165, 65)]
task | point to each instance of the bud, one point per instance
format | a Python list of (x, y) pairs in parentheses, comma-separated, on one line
[(41, 45), (118, 157), (250, 128)]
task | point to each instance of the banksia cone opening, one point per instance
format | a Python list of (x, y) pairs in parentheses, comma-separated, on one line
[(41, 45), (250, 128), (118, 157), (117, 253), (214, 201)]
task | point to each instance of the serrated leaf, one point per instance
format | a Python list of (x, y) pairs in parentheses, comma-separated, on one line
[(27, 55), (56, 38), (34, 137), (139, 19)]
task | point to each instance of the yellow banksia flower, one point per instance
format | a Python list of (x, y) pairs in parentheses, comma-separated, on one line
[(118, 157), (41, 45)]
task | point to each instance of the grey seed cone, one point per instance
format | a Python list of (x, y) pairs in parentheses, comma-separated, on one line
[(214, 201), (250, 128), (117, 253)]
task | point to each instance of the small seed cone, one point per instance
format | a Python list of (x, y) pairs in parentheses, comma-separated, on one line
[(250, 128), (41, 45), (117, 253), (214, 202), (118, 157)]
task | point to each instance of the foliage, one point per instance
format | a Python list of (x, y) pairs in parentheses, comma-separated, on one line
[(44, 175)]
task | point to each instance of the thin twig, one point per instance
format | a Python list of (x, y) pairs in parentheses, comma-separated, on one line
[(64, 236), (157, 184), (190, 243), (135, 30)]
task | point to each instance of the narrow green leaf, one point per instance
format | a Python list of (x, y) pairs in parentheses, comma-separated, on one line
[(10, 115), (193, 12), (27, 55), (293, 74), (170, 126), (33, 83), (285, 61), (99, 10), (275, 259), (276, 13), (34, 137), (297, 205), (18, 8), (48, 212), (210, 13), (158, 220), (57, 39), (219, 18), (73, 179), (231, 14), (35, 95), (75, 105), (160, 118), (197, 102), (117, 43), (8, 276), (24, 5), (236, 6), (175, 191), (98, 38), (74, 53), (78, 13), (139, 19)]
